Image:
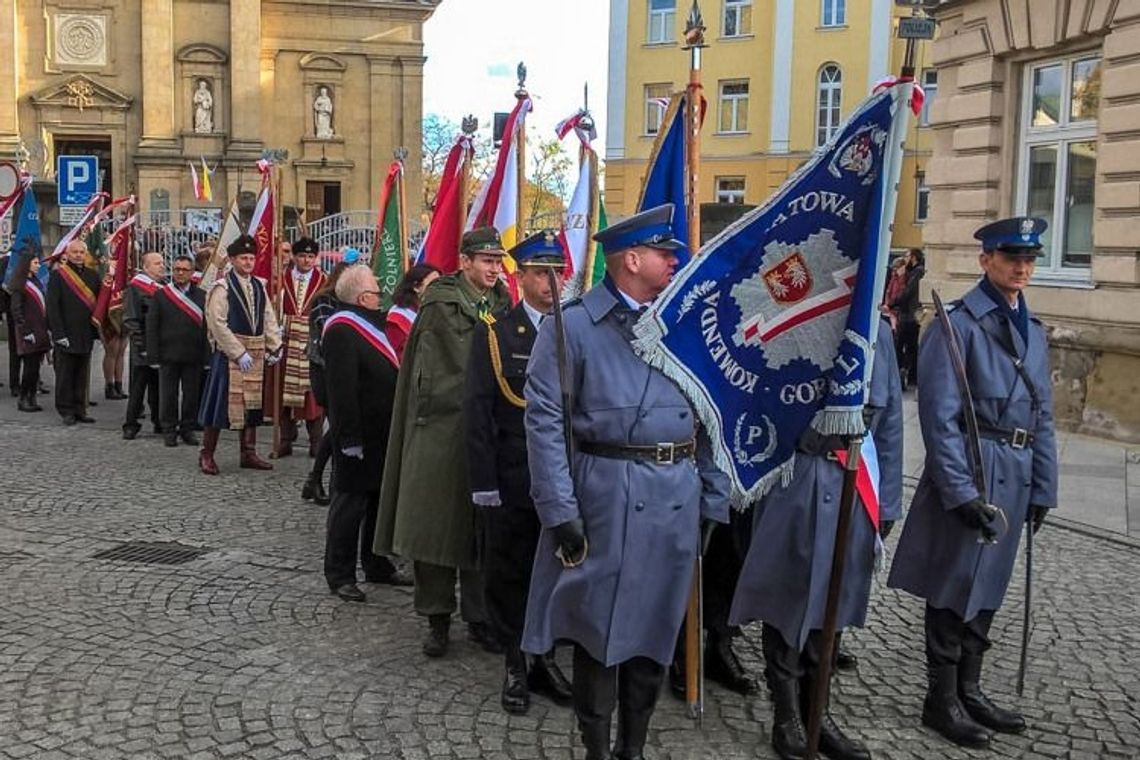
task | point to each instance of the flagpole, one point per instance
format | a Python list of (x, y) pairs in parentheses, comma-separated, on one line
[(694, 42), (469, 127), (520, 94), (401, 157)]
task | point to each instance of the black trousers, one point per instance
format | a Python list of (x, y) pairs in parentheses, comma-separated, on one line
[(171, 378), (948, 637), (510, 538), (14, 358), (722, 564), (351, 525), (783, 662), (71, 383), (30, 366), (144, 380), (632, 686), (906, 346)]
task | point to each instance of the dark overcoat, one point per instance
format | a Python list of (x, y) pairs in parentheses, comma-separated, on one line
[(137, 302), (362, 386), (28, 311), (425, 502), (785, 575), (173, 336), (938, 556), (68, 316), (642, 519)]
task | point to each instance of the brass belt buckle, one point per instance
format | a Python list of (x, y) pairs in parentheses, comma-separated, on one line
[(1020, 438), (666, 453)]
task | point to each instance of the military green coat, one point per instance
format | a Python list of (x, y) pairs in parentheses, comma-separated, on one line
[(425, 503)]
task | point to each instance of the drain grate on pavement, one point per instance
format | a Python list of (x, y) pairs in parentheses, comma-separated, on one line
[(152, 553)]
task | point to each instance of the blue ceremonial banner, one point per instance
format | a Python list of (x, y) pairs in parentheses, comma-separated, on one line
[(770, 329), (26, 241), (667, 174)]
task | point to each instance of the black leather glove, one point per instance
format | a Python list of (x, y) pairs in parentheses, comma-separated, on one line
[(977, 515), (570, 537), (1036, 517), (885, 528)]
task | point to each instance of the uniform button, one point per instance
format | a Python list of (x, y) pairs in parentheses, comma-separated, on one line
[(676, 507), (639, 506), (684, 415), (643, 414), (1001, 481), (827, 497)]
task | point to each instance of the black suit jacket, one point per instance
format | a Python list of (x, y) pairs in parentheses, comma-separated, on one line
[(137, 303), (68, 316), (361, 389), (172, 336), (494, 427)]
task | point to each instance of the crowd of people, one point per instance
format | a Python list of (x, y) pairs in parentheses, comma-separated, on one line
[(562, 486)]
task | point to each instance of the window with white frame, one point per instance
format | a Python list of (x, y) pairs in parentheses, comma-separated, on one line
[(921, 197), (656, 102), (737, 18), (730, 189), (930, 90), (1057, 164), (733, 106), (828, 103), (662, 20), (833, 13)]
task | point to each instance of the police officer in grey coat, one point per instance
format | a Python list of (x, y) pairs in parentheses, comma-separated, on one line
[(941, 556), (625, 517), (784, 581)]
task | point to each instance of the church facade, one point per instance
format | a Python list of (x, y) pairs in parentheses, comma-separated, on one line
[(332, 90)]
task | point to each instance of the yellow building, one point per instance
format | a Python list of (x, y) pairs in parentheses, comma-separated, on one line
[(779, 76), (150, 85)]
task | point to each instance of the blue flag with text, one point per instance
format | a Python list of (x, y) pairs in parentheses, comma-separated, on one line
[(665, 179), (770, 329), (26, 241)]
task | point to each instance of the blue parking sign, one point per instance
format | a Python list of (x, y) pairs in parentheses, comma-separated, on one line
[(78, 178)]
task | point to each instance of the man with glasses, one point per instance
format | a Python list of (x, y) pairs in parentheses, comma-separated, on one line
[(176, 342), (425, 500)]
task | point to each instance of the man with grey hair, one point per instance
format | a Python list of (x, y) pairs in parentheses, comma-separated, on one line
[(137, 303), (361, 369)]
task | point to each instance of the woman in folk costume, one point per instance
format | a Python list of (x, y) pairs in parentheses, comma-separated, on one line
[(300, 284), (244, 333), (406, 303), (29, 321)]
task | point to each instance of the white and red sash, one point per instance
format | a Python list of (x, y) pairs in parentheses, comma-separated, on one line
[(183, 302), (145, 283), (35, 294), (402, 317), (372, 334)]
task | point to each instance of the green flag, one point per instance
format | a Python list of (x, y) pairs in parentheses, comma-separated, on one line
[(599, 270), (389, 257)]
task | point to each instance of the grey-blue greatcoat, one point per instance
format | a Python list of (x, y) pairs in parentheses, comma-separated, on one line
[(642, 520), (785, 575), (938, 556)]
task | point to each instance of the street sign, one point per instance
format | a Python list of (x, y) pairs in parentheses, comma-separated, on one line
[(78, 178), (69, 216), (916, 28)]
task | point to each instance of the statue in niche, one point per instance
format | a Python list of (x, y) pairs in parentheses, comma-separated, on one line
[(322, 113), (203, 108)]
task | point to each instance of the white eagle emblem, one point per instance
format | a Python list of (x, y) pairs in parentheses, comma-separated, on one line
[(857, 153)]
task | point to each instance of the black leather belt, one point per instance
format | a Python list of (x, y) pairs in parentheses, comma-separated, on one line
[(1015, 438), (656, 453)]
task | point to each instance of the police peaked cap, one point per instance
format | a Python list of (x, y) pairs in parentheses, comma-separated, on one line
[(482, 240), (244, 244), (305, 245), (542, 247), (653, 228), (1019, 235)]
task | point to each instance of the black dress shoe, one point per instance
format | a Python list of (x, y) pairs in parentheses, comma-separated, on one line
[(836, 745), (130, 433), (515, 697), (84, 419), (349, 592), (69, 420), (189, 438), (723, 667), (435, 644), (546, 678), (481, 634), (395, 578), (314, 490), (170, 439), (844, 660)]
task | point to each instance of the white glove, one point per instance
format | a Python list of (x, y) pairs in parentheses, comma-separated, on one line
[(486, 499), (245, 362), (63, 343), (356, 452), (273, 358), (30, 338)]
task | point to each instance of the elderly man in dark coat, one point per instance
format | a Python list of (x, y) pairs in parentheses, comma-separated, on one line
[(361, 367), (784, 581), (624, 517), (426, 513), (137, 303), (71, 294), (945, 555)]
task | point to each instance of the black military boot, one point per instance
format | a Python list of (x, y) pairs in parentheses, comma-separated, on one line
[(833, 743), (789, 738), (633, 728), (439, 626), (978, 705), (545, 677), (943, 711), (27, 403), (515, 698), (314, 490), (722, 666), (596, 740)]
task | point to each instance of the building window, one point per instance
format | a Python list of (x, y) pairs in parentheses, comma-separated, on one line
[(737, 18), (834, 13), (662, 15), (730, 189), (1057, 165), (930, 89), (656, 101), (828, 103), (733, 107), (921, 198)]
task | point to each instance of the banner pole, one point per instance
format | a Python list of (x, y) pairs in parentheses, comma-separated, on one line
[(520, 214)]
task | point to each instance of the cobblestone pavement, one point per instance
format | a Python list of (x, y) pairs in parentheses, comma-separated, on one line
[(243, 653)]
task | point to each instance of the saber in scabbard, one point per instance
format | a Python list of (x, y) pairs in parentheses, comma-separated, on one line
[(1026, 621), (564, 380)]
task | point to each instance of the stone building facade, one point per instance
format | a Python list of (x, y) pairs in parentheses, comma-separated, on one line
[(1039, 113), (152, 85)]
